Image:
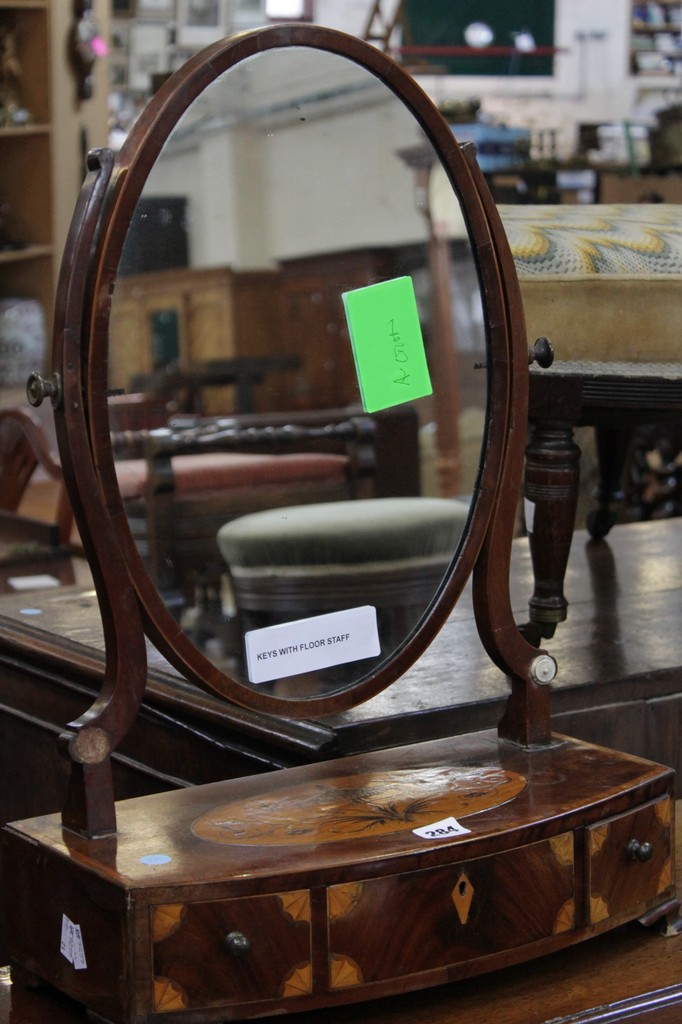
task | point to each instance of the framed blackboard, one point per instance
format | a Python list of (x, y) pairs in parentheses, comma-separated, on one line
[(439, 25)]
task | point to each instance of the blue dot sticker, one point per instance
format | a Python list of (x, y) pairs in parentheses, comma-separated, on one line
[(155, 858), (31, 611)]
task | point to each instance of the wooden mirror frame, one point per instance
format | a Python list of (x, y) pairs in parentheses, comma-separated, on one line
[(129, 601)]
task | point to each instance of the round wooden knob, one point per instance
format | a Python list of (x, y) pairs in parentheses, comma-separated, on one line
[(237, 944), (640, 851)]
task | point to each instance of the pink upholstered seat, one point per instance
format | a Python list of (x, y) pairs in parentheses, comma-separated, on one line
[(224, 471)]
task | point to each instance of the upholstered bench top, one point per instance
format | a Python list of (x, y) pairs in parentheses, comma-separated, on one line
[(624, 239), (603, 282), (213, 471), (347, 532)]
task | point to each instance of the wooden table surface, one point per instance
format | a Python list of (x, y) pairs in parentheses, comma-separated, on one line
[(630, 974), (635, 581), (617, 590), (618, 653)]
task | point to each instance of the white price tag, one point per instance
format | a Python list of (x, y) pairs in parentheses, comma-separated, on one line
[(71, 944), (39, 582), (306, 645), (444, 829)]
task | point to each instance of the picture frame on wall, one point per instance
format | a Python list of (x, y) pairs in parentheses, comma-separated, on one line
[(200, 22), (148, 54)]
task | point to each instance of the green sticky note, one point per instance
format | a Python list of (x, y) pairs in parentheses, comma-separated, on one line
[(388, 347)]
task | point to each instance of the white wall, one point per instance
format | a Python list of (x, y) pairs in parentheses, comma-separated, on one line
[(298, 179)]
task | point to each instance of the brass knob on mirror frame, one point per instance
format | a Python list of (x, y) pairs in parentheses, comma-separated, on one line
[(38, 388), (639, 851), (237, 944)]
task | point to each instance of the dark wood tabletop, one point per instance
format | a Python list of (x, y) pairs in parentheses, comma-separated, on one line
[(621, 646)]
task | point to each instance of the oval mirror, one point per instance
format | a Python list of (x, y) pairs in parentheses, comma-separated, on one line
[(287, 376)]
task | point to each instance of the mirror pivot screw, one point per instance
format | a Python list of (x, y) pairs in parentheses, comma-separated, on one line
[(38, 388), (541, 352), (543, 669)]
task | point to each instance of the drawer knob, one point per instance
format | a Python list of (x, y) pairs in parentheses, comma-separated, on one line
[(640, 851), (237, 944)]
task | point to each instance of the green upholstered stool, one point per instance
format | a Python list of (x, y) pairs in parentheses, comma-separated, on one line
[(290, 563)]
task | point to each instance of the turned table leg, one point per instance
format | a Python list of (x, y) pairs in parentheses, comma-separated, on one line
[(551, 493)]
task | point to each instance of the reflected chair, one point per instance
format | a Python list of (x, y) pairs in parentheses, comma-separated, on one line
[(25, 453), (185, 484)]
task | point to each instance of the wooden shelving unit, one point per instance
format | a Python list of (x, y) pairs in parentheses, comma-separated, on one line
[(656, 38), (26, 162)]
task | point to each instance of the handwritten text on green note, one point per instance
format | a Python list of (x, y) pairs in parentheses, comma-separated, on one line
[(388, 347)]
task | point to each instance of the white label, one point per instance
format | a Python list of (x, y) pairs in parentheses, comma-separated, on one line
[(444, 829), (39, 582), (71, 944), (529, 514), (309, 644)]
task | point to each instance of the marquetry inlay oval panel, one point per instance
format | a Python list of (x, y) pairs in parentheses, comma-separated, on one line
[(356, 806)]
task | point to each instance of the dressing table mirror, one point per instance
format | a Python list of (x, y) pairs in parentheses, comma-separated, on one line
[(373, 874)]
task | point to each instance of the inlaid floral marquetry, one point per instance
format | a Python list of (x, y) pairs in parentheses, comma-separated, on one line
[(342, 899), (168, 996), (599, 909), (562, 848), (296, 905), (299, 982), (344, 972), (356, 806), (666, 876), (664, 811), (565, 919), (598, 837), (462, 896), (166, 919)]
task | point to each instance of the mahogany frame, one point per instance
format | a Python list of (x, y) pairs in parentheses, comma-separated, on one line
[(128, 598)]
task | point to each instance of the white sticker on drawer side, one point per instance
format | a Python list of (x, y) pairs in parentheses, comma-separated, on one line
[(310, 644), (446, 828), (71, 945)]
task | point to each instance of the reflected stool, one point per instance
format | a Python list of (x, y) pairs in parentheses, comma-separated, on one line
[(291, 563)]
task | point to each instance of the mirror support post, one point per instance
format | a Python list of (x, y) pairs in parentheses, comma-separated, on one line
[(526, 716), (526, 719), (90, 808)]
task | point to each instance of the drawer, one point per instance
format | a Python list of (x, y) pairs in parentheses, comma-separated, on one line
[(231, 951), (629, 860), (441, 916)]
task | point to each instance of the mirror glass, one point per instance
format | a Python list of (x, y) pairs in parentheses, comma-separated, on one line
[(293, 179)]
